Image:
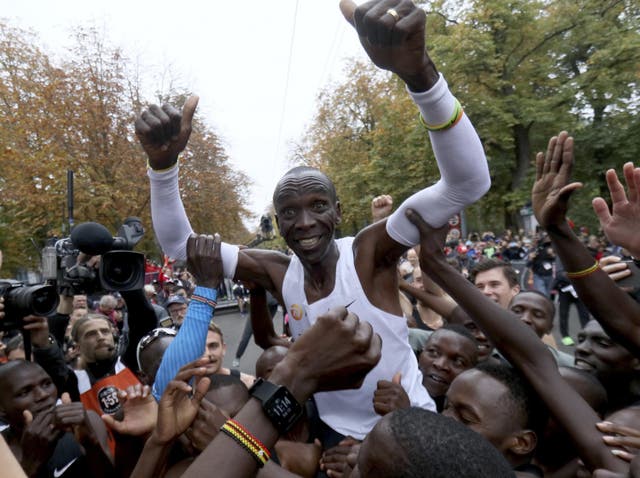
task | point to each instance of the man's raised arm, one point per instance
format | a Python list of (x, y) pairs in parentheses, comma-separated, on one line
[(392, 33), (163, 133)]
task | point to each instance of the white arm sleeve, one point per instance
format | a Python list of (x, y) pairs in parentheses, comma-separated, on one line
[(171, 223), (462, 163)]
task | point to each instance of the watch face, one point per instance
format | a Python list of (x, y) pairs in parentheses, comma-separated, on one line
[(283, 410), (281, 405)]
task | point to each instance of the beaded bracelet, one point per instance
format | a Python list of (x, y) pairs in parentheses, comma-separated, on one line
[(450, 123), (583, 273), (247, 441), (249, 436)]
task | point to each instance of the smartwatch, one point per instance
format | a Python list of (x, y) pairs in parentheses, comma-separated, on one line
[(278, 404)]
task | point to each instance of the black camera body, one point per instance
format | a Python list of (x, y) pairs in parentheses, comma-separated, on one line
[(21, 300), (121, 269)]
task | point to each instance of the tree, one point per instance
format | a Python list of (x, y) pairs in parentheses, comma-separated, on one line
[(78, 115), (523, 71)]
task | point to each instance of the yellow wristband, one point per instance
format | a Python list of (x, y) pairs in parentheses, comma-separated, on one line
[(583, 273), (174, 165), (450, 123)]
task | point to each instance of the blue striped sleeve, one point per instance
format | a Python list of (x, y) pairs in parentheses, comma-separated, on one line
[(189, 343)]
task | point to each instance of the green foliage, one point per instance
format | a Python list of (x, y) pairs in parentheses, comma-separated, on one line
[(524, 70), (78, 115)]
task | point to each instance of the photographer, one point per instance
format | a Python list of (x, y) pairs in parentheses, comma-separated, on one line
[(104, 374)]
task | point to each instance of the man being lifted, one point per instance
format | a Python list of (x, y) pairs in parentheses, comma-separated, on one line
[(359, 272)]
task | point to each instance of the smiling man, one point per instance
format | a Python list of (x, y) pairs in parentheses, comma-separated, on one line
[(324, 272), (448, 352)]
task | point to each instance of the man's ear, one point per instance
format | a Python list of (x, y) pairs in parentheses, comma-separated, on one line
[(522, 443), (277, 222), (338, 212)]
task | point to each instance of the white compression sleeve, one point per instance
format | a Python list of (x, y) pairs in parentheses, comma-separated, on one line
[(462, 163), (171, 224)]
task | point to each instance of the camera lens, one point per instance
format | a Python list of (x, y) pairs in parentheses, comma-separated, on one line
[(37, 300)]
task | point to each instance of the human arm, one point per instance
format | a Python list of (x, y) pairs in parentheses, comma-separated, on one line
[(49, 356), (335, 353), (264, 333), (204, 262), (441, 304), (522, 348), (8, 462), (89, 431), (621, 225), (618, 313), (176, 411), (399, 46), (142, 320)]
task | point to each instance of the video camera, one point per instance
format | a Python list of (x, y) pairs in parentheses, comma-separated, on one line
[(121, 269)]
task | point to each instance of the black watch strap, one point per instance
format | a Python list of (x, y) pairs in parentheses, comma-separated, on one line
[(279, 405)]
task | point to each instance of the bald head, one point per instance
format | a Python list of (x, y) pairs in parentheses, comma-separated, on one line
[(303, 178)]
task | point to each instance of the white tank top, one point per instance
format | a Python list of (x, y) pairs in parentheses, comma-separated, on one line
[(350, 412)]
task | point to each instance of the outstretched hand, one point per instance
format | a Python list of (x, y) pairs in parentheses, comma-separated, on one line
[(204, 259), (140, 411), (392, 33), (431, 240), (552, 190), (164, 132), (178, 405), (622, 223)]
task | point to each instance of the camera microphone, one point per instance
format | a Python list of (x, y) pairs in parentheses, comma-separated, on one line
[(92, 238)]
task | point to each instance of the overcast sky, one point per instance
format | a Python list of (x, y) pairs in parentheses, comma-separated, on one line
[(234, 54)]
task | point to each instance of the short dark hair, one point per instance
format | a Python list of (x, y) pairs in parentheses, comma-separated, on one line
[(524, 399), (439, 447), (507, 269), (460, 330), (549, 301)]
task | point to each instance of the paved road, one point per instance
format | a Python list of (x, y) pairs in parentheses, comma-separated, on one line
[(232, 325)]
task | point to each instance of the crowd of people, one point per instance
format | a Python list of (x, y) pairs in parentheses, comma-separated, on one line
[(410, 351)]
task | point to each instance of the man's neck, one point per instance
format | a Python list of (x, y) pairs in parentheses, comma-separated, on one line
[(320, 278), (101, 368)]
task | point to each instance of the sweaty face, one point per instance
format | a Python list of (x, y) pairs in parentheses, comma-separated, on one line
[(445, 356), (307, 214), (600, 355), (95, 341), (534, 310), (214, 350), (26, 387), (478, 401), (494, 285)]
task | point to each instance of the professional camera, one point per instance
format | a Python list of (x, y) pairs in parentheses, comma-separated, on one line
[(120, 268), (21, 300)]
